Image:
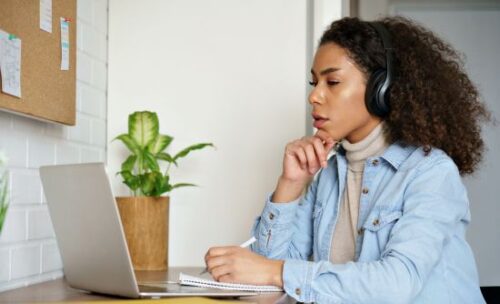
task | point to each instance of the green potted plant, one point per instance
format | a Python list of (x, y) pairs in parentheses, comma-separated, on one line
[(144, 215), (3, 191)]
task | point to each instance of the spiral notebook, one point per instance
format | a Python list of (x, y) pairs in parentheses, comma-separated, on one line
[(185, 279)]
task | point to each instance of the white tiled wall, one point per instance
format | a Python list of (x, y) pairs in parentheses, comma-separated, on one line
[(28, 249)]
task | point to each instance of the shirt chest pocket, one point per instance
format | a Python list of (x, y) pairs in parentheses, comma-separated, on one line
[(377, 228)]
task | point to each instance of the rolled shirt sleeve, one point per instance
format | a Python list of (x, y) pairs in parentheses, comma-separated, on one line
[(284, 230)]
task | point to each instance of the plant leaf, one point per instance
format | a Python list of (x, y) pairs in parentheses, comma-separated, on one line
[(162, 185), (150, 161), (132, 181), (3, 199), (4, 187), (129, 142), (191, 148), (183, 185), (128, 165), (160, 143), (143, 127), (166, 157), (3, 213), (148, 183)]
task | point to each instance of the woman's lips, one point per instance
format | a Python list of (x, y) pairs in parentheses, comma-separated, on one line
[(319, 121)]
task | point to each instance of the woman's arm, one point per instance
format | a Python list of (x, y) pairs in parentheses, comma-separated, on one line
[(284, 230)]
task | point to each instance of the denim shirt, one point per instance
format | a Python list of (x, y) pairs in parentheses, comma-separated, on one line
[(411, 248)]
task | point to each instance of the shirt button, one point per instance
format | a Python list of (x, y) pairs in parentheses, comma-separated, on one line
[(360, 231), (376, 222), (365, 190), (427, 149), (271, 216), (375, 162), (298, 291)]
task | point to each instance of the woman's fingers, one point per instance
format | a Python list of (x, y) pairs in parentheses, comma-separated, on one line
[(218, 260), (327, 141), (215, 262), (223, 265), (218, 251), (312, 159), (220, 271), (296, 150), (227, 278), (245, 267), (320, 150), (308, 153)]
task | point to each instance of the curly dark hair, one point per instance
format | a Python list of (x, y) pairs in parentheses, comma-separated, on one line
[(433, 102)]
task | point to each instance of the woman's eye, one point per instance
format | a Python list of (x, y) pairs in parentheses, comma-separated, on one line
[(329, 83)]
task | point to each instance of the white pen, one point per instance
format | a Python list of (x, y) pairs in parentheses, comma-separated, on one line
[(244, 245)]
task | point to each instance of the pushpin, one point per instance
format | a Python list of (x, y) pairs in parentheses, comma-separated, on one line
[(12, 36)]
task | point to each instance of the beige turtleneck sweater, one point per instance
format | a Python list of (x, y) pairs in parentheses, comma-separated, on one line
[(345, 234)]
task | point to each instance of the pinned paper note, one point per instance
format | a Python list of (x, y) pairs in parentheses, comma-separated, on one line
[(46, 15), (64, 44), (10, 63)]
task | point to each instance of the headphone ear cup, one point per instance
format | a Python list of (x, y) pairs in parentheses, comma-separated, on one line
[(375, 103)]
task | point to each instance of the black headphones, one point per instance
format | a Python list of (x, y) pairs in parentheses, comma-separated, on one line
[(377, 87)]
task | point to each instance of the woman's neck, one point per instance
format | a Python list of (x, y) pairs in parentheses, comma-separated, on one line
[(359, 134)]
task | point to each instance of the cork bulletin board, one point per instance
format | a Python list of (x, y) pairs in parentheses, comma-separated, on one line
[(47, 92)]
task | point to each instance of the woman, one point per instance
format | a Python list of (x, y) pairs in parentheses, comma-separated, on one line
[(384, 220)]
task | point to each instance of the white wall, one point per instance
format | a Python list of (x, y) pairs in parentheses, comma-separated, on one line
[(225, 71), (28, 250)]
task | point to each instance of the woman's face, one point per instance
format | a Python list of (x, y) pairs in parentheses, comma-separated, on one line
[(338, 97)]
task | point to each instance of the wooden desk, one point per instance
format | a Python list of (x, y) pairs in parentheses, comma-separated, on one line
[(59, 290)]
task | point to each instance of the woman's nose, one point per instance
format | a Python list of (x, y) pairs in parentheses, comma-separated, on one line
[(315, 96)]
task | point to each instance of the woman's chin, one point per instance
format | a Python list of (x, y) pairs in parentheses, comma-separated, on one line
[(337, 136)]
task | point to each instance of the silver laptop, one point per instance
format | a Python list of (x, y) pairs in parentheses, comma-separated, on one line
[(91, 239)]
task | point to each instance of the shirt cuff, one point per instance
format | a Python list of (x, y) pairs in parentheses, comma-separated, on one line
[(297, 278), (278, 214)]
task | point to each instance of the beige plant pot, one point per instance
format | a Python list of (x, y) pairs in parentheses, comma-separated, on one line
[(145, 222)]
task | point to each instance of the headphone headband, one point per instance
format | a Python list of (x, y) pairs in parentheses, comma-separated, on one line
[(386, 41), (382, 106)]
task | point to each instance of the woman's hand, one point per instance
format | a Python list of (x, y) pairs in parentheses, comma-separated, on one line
[(234, 264), (303, 159)]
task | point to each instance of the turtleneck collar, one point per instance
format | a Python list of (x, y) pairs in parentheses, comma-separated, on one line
[(372, 145)]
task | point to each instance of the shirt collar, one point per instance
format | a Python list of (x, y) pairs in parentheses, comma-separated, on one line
[(397, 153)]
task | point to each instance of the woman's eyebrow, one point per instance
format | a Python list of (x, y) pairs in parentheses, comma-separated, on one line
[(325, 71)]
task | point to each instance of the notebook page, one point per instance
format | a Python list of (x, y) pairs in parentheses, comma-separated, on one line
[(185, 279)]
